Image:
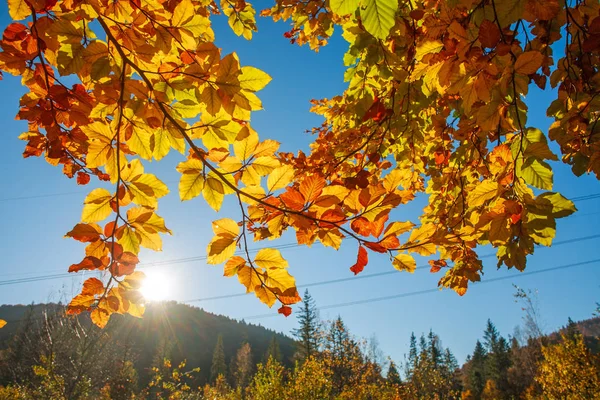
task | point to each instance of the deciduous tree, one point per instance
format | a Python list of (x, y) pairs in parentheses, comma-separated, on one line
[(435, 104)]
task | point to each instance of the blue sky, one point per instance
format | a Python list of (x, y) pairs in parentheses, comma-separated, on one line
[(33, 226)]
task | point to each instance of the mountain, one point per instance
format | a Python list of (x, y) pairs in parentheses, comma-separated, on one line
[(177, 331)]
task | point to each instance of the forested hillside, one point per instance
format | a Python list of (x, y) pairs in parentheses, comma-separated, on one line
[(168, 330), (181, 352)]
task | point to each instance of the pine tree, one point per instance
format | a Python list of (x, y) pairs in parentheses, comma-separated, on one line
[(498, 359), (218, 366), (273, 351), (475, 374), (393, 376), (412, 356), (308, 333)]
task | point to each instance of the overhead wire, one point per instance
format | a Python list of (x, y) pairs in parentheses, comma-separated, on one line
[(426, 291), (283, 246)]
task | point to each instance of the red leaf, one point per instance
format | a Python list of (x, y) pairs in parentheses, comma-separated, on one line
[(285, 310), (489, 34), (83, 178), (376, 247), (377, 112), (361, 261), (417, 14)]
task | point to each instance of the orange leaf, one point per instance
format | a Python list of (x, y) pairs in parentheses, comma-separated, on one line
[(361, 261), (529, 62), (85, 232), (92, 286), (311, 187)]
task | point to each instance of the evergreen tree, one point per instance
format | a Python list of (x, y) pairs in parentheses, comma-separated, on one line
[(433, 347), (498, 359), (475, 371), (308, 332), (412, 356), (490, 336), (393, 376), (218, 366), (273, 351)]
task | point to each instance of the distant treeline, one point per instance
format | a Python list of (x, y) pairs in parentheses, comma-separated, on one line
[(181, 352)]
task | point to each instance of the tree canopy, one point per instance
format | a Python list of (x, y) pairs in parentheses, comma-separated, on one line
[(434, 105)]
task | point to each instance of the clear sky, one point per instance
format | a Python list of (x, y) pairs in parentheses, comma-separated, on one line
[(38, 205)]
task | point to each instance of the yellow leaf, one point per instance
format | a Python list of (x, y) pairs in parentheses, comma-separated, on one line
[(280, 177), (404, 262), (244, 148), (483, 192), (100, 317), (146, 219), (331, 238), (213, 193), (344, 7), (429, 47), (146, 189), (150, 240), (265, 295), (270, 258), (233, 265), (139, 142), (280, 280), (266, 148), (253, 79), (265, 165), (398, 228), (96, 206), (18, 9), (226, 227), (220, 249), (249, 278), (129, 240), (192, 178), (134, 281), (184, 11)]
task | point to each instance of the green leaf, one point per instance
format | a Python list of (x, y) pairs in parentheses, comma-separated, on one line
[(537, 173), (379, 16), (557, 205)]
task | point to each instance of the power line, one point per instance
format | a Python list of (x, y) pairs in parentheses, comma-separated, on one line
[(426, 291), (283, 246), (367, 276)]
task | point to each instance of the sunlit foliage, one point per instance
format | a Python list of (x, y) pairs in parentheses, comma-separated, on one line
[(434, 104)]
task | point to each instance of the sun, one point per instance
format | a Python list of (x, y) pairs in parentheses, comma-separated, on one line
[(156, 286)]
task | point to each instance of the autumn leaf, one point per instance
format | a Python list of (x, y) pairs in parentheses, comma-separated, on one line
[(361, 261), (378, 16), (285, 310), (404, 262), (96, 206), (343, 7), (529, 62), (270, 259), (18, 9)]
